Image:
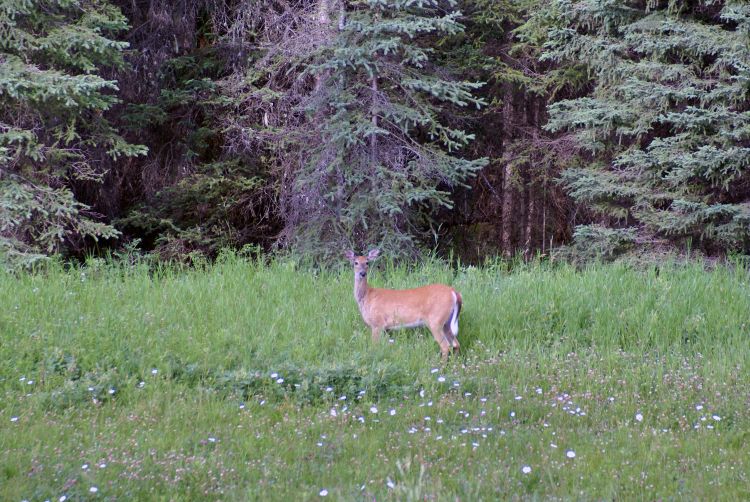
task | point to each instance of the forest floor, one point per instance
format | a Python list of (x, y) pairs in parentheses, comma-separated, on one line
[(243, 381)]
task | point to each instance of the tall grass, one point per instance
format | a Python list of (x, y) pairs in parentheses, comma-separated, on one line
[(249, 380)]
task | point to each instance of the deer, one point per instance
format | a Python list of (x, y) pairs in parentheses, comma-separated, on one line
[(436, 306)]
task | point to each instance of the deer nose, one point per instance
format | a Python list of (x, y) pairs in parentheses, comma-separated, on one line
[(363, 273)]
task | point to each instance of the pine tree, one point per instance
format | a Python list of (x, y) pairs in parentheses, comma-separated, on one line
[(53, 132), (667, 123), (361, 134)]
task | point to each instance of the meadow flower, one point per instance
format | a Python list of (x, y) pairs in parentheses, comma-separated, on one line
[(389, 483), (570, 454), (111, 391), (518, 398), (392, 412), (434, 370), (14, 419), (699, 407), (716, 417), (93, 489), (274, 375), (373, 409), (526, 469), (334, 412), (441, 379), (279, 380), (639, 417), (154, 371), (323, 492)]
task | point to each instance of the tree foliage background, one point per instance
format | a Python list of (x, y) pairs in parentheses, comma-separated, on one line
[(478, 127)]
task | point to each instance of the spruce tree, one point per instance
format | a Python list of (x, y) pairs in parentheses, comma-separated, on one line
[(361, 134), (53, 129), (666, 124)]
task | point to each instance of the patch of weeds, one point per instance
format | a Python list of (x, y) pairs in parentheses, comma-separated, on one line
[(312, 386), (92, 387), (59, 362)]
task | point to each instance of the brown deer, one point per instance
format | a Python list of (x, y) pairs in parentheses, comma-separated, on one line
[(436, 306)]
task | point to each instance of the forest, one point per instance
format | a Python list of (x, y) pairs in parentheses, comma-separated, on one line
[(586, 129)]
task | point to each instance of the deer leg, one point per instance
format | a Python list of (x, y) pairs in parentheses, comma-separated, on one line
[(376, 334), (453, 339), (444, 342)]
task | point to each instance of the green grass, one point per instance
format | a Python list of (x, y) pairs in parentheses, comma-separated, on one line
[(166, 386)]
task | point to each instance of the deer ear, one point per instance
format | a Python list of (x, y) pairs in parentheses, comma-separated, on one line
[(373, 254), (350, 255)]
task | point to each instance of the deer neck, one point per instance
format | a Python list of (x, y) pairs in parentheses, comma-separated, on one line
[(360, 289)]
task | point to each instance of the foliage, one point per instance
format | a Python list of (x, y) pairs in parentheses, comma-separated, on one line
[(54, 134), (668, 121), (197, 197), (365, 154)]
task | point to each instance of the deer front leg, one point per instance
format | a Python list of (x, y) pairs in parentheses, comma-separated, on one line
[(376, 334)]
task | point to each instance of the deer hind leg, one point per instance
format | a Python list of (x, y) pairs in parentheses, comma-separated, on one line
[(452, 338), (450, 335), (438, 333)]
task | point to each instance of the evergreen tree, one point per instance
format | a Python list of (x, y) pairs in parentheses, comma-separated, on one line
[(53, 132), (667, 123), (361, 133)]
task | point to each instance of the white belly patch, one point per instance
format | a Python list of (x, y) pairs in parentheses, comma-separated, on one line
[(414, 324)]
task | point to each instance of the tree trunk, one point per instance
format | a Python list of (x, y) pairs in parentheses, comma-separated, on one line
[(506, 243), (507, 211), (324, 20), (374, 113), (530, 216)]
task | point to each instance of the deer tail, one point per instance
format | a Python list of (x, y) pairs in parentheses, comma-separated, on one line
[(455, 312)]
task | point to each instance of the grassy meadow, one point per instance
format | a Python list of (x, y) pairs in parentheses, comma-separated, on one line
[(244, 381)]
